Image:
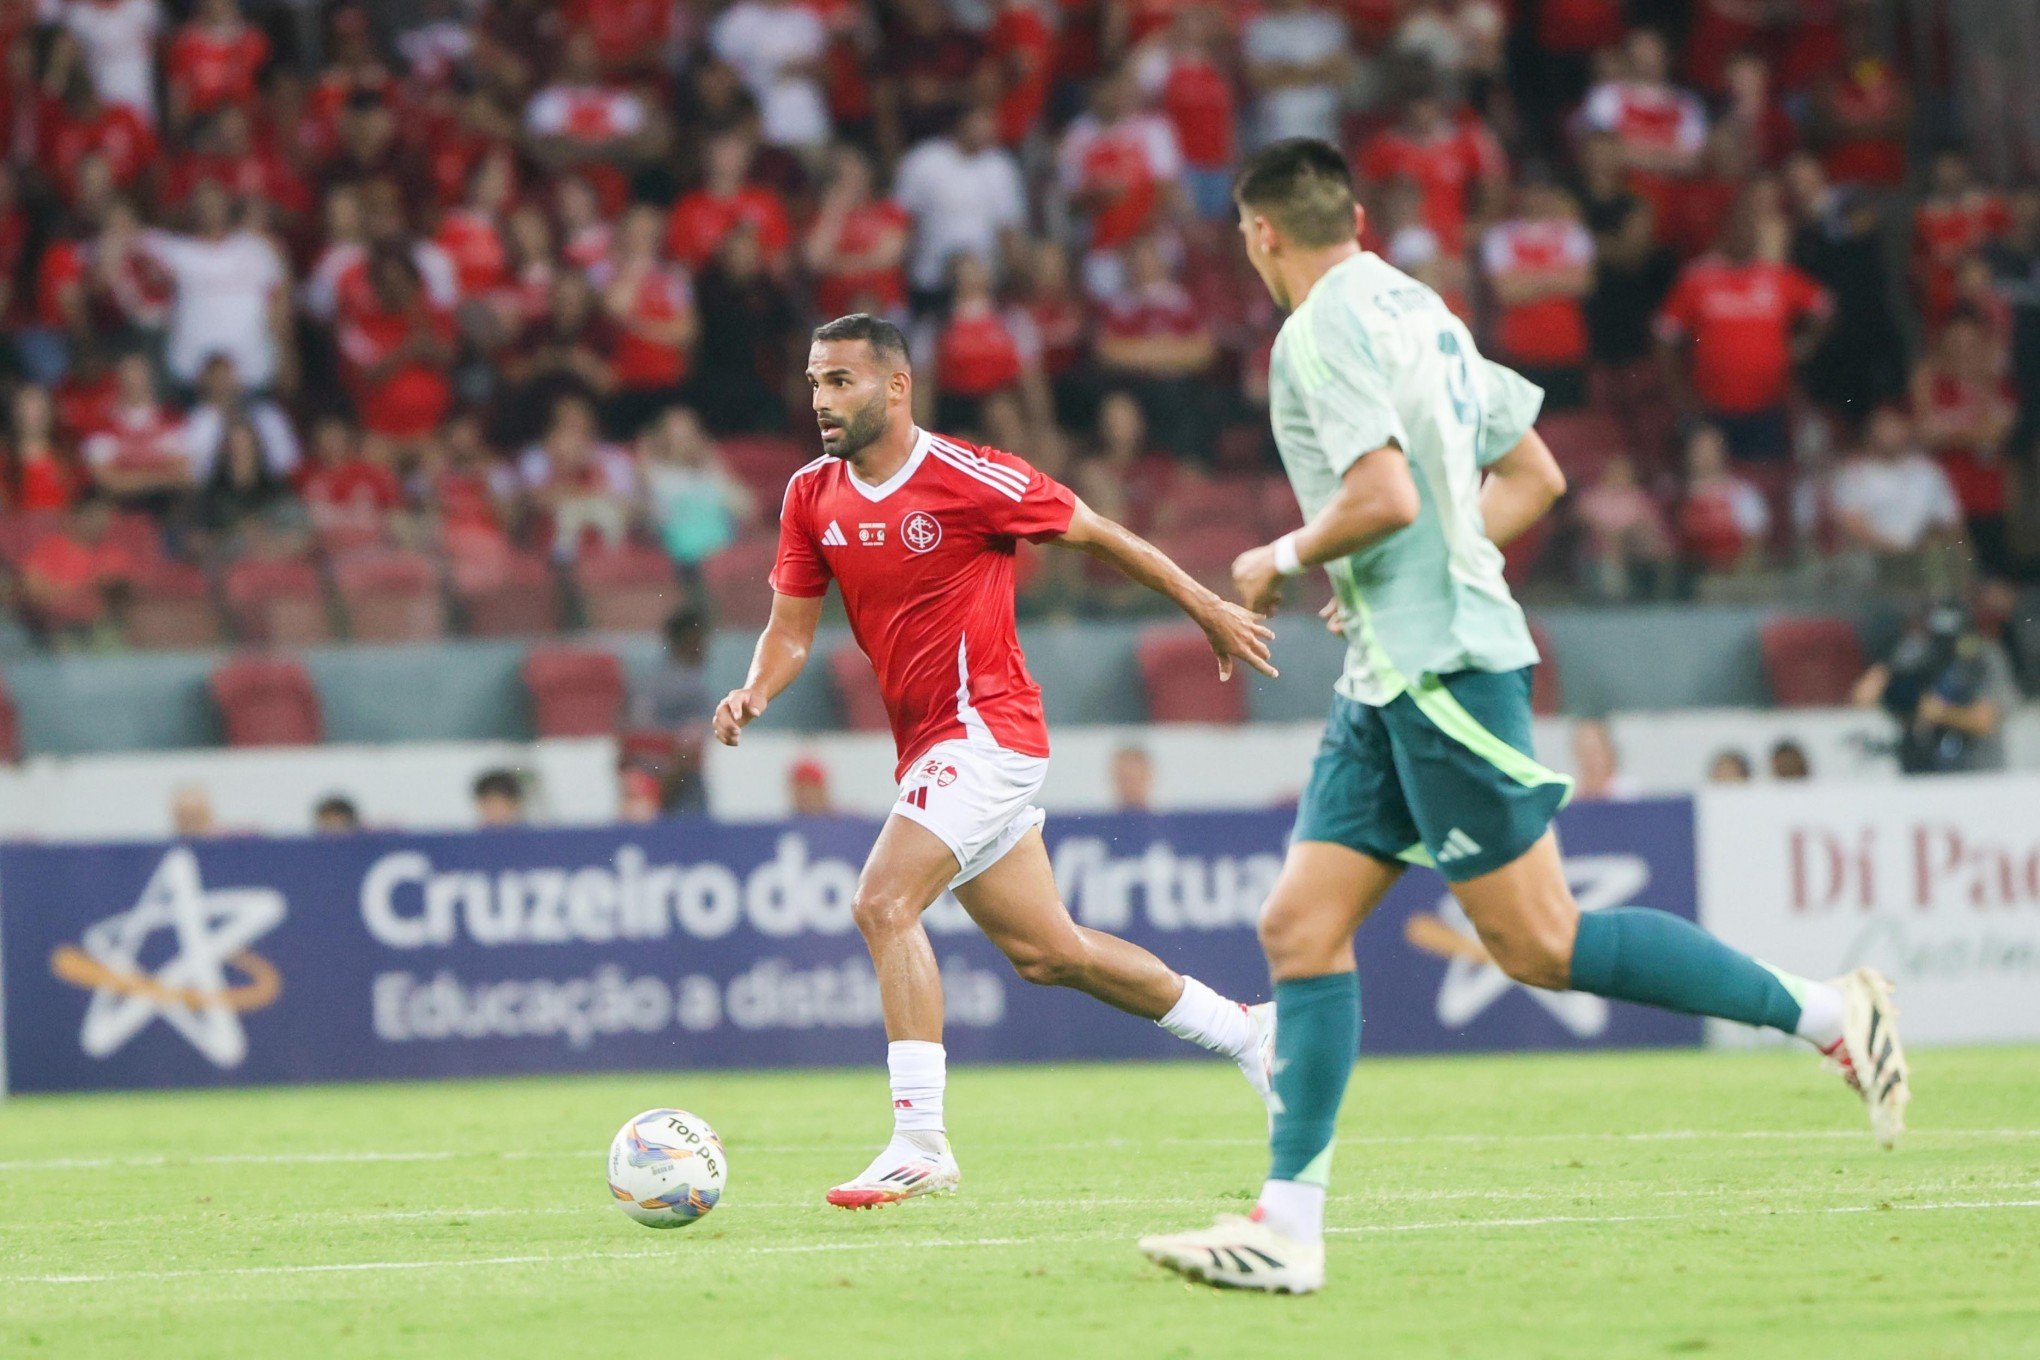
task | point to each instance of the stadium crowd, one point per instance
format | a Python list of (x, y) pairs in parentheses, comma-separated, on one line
[(489, 283)]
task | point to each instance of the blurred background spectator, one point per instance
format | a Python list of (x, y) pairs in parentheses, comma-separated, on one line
[(499, 799), (505, 281), (1949, 686)]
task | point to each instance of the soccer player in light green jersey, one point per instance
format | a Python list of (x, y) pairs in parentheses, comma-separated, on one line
[(1413, 459)]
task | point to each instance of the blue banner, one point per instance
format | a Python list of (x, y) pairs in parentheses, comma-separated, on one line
[(692, 944)]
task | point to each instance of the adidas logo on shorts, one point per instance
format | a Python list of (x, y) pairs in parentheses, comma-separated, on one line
[(1458, 845)]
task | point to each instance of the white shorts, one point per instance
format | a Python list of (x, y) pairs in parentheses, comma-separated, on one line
[(977, 799)]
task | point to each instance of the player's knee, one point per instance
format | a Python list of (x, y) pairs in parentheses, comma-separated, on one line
[(1291, 934), (1535, 958), (1060, 964), (879, 914)]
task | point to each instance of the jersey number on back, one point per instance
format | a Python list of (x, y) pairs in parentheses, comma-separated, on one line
[(1459, 379)]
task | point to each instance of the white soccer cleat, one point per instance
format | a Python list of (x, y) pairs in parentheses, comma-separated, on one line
[(1258, 1063), (1869, 1056), (1240, 1253), (906, 1169)]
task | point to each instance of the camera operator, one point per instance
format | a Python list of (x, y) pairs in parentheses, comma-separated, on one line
[(1949, 687)]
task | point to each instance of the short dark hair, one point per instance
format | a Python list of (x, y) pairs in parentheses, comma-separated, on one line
[(500, 784), (883, 336), (337, 805), (1301, 184)]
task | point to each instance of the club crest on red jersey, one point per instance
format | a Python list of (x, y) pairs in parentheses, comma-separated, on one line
[(920, 531)]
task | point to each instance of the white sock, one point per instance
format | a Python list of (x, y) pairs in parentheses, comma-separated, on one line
[(919, 1070), (1205, 1018), (1820, 1015), (1296, 1209)]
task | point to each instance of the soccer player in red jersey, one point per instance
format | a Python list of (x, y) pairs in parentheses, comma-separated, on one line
[(919, 532)]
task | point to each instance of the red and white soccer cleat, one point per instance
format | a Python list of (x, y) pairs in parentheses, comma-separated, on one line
[(1869, 1056), (906, 1169)]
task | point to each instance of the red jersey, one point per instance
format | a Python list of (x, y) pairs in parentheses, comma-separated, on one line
[(1024, 46), (211, 66), (1551, 331), (1944, 231), (1446, 167), (925, 563), (1198, 100), (700, 220), (1740, 317)]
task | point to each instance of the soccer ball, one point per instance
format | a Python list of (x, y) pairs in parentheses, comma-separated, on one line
[(667, 1168)]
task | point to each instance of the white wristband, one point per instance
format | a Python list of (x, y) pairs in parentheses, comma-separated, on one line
[(1286, 560)]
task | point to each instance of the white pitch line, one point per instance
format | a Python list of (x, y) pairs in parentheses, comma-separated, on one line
[(1724, 1195), (344, 1158), (949, 1244)]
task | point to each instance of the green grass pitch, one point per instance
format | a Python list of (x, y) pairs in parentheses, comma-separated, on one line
[(1579, 1208)]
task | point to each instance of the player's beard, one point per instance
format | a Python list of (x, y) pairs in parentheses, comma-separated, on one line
[(862, 428)]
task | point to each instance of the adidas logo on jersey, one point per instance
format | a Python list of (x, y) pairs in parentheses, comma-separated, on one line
[(832, 537), (1458, 845)]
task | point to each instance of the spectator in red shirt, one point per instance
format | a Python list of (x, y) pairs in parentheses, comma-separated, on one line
[(581, 119), (565, 352), (1122, 168), (1061, 327), (1751, 110), (1861, 113), (471, 234), (1661, 128), (1540, 267), (73, 577), (141, 459), (857, 247), (650, 305), (1022, 50), (1735, 326), (1154, 342), (978, 355), (1964, 410), (1957, 218), (214, 61), (351, 486), (1724, 520), (39, 477), (725, 200), (1187, 71), (80, 127), (1455, 161), (398, 352)]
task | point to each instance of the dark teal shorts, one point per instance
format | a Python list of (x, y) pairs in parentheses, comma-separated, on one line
[(1442, 775)]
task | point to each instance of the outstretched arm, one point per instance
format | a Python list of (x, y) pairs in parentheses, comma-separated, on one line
[(782, 651), (1376, 497), (1521, 485), (1233, 632)]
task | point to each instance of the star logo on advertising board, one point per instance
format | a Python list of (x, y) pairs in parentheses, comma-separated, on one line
[(190, 990), (1472, 983)]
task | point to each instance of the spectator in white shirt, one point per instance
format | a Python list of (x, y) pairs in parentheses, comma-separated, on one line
[(1661, 128), (119, 42), (1297, 66), (964, 194), (224, 401), (232, 296), (1895, 504), (141, 458), (778, 47), (580, 117)]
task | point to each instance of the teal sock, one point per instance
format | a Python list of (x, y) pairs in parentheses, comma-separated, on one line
[(1317, 1036), (1636, 954)]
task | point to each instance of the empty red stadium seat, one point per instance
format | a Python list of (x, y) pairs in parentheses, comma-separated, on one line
[(1195, 503), (172, 606), (1278, 509), (1181, 678), (267, 701), (575, 691), (390, 596), (277, 600), (1812, 661), (508, 595), (737, 580), (626, 588), (1547, 697), (857, 693)]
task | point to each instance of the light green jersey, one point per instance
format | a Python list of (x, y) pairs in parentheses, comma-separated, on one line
[(1373, 358)]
